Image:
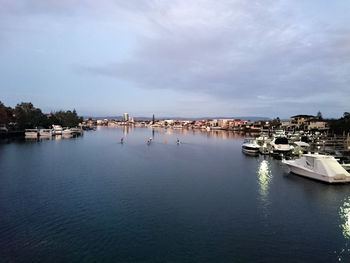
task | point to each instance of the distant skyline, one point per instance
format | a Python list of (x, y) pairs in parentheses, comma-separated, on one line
[(177, 58)]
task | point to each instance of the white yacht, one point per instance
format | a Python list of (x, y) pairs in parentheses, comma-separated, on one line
[(77, 131), (319, 167), (280, 145), (300, 147), (264, 149), (280, 133), (31, 133), (45, 133), (263, 138), (250, 146), (57, 129), (67, 132)]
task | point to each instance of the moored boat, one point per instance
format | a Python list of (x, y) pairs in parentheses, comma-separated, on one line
[(45, 133), (250, 146), (300, 147), (280, 145), (31, 133), (67, 133), (57, 129), (76, 131), (319, 167)]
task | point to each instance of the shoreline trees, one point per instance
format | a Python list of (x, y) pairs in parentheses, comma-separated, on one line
[(26, 116)]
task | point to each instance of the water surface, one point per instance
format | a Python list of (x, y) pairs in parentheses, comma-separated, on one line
[(92, 199)]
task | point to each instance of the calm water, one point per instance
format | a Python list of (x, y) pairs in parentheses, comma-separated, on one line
[(92, 199)]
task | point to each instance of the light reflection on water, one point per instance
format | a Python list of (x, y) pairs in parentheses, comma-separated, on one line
[(134, 189), (344, 213), (265, 177), (264, 180), (345, 216)]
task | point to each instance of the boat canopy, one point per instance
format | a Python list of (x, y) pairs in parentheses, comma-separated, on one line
[(281, 140)]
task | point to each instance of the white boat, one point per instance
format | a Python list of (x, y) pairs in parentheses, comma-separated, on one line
[(250, 146), (346, 166), (319, 167), (280, 145), (67, 132), (280, 133), (300, 147), (264, 149), (263, 138), (57, 129), (45, 133), (76, 131), (3, 128), (31, 133)]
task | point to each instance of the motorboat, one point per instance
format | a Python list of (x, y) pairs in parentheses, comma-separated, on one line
[(280, 145), (76, 131), (300, 147), (263, 138), (31, 133), (57, 129), (45, 133), (250, 146), (280, 133), (255, 129), (67, 132), (3, 128), (319, 167), (346, 166), (264, 149)]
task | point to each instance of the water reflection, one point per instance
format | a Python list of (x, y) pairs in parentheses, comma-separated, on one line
[(264, 180), (221, 134), (265, 177), (345, 217), (344, 213)]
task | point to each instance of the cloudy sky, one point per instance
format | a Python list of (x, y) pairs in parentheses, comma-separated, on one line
[(180, 57)]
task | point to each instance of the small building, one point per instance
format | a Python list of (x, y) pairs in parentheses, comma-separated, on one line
[(125, 117), (317, 124), (300, 121), (224, 123)]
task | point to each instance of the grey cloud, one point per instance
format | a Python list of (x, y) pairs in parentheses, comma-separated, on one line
[(236, 51)]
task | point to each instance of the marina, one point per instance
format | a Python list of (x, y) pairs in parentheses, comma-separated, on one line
[(174, 131), (95, 198)]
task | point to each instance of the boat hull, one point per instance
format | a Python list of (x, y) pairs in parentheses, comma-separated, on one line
[(312, 175), (250, 151)]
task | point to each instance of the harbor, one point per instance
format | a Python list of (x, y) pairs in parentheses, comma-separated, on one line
[(174, 131), (95, 198)]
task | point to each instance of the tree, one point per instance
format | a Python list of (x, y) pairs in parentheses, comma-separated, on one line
[(319, 115), (276, 122), (67, 118), (27, 116), (4, 117)]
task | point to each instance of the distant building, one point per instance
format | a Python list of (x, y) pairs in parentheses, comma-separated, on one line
[(304, 122), (125, 117), (224, 123), (317, 124), (301, 121)]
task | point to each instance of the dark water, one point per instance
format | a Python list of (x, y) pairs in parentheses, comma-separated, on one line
[(92, 199)]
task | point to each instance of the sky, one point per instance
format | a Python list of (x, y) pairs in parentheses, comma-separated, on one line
[(177, 58)]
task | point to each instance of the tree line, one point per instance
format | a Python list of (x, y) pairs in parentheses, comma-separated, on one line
[(341, 125), (26, 116)]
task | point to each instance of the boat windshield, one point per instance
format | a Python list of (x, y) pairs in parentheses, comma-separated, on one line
[(310, 161), (249, 141), (281, 140)]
